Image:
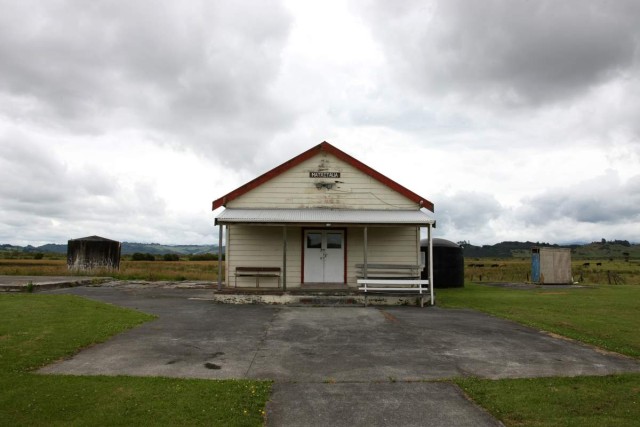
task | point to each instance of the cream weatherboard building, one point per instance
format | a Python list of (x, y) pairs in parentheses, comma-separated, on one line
[(321, 220)]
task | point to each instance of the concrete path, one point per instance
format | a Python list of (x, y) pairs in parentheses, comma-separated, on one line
[(20, 283), (373, 404), (332, 358)]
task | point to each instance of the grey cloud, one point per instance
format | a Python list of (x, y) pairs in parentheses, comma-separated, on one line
[(200, 71), (466, 211), (508, 52), (41, 195), (33, 176), (603, 200)]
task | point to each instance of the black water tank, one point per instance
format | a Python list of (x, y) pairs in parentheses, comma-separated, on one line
[(448, 263)]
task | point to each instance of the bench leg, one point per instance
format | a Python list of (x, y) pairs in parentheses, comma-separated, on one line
[(365, 299), (421, 300)]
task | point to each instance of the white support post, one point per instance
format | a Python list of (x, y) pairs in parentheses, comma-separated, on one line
[(430, 263), (284, 258), (364, 269), (220, 256)]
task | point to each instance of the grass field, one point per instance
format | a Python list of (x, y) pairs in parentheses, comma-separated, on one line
[(479, 270), (129, 270), (605, 316), (37, 329), (611, 401), (598, 271)]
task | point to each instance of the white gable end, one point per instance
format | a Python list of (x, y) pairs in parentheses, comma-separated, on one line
[(323, 181)]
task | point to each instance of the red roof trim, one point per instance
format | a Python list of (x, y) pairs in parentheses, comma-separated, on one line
[(328, 148)]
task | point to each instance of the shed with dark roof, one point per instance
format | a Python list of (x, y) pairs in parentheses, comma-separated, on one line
[(93, 253)]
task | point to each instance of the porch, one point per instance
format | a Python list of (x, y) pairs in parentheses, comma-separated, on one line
[(306, 251)]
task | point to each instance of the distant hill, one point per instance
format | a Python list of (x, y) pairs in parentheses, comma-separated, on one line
[(157, 249), (501, 250), (617, 249), (607, 249), (127, 248), (49, 247)]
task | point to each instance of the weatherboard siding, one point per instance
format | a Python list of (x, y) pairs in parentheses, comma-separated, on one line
[(261, 246), (385, 245), (255, 246), (295, 189)]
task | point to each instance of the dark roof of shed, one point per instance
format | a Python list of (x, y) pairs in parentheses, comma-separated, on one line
[(93, 239), (328, 148)]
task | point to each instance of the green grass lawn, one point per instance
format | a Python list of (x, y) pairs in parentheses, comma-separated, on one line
[(580, 401), (38, 329), (605, 316)]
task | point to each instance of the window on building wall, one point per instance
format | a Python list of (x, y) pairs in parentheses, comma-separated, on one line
[(314, 241), (334, 240)]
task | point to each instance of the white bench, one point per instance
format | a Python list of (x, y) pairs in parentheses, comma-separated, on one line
[(395, 286), (390, 271)]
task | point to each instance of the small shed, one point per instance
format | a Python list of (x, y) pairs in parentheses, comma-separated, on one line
[(448, 263), (551, 265), (93, 253)]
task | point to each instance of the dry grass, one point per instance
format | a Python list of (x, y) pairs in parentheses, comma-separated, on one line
[(519, 270), (129, 270), (476, 270), (30, 267)]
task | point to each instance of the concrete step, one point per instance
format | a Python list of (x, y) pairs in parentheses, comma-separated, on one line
[(315, 299)]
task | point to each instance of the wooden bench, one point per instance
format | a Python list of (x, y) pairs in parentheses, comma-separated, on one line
[(258, 272), (390, 271), (395, 286)]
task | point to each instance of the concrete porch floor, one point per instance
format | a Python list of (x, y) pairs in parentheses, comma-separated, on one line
[(310, 295), (313, 295)]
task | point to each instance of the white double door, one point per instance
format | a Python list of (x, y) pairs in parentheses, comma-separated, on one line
[(324, 256)]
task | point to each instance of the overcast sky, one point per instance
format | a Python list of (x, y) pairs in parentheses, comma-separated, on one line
[(519, 120)]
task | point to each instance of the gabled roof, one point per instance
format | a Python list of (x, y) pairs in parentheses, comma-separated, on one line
[(93, 239), (327, 148)]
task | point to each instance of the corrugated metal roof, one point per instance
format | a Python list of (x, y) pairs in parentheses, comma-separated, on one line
[(323, 216)]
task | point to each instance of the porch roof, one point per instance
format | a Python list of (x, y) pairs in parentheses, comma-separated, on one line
[(324, 216)]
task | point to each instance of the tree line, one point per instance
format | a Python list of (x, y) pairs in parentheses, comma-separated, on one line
[(140, 256)]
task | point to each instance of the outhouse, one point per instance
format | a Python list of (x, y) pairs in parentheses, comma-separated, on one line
[(322, 219), (551, 265)]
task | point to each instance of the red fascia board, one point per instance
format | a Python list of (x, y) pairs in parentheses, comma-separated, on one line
[(378, 176), (326, 147), (266, 176)]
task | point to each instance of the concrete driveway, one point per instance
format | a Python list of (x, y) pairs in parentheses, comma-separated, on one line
[(364, 360)]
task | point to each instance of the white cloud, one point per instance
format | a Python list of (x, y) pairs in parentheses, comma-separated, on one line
[(517, 119), (601, 200), (199, 73)]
